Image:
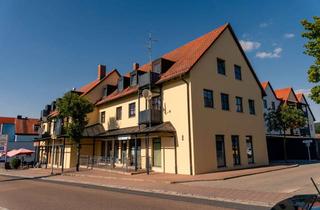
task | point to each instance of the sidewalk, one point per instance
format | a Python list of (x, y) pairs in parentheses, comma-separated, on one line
[(165, 183)]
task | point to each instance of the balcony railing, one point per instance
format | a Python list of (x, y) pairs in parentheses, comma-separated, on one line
[(149, 78), (150, 114)]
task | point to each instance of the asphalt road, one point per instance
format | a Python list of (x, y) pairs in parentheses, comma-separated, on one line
[(292, 181), (16, 193)]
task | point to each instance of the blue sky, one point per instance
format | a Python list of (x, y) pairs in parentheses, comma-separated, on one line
[(49, 47)]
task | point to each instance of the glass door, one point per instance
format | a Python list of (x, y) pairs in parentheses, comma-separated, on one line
[(132, 153), (124, 152), (220, 150), (156, 152)]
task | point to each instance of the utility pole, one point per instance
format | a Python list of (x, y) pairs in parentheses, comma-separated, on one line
[(149, 47), (53, 137), (148, 101)]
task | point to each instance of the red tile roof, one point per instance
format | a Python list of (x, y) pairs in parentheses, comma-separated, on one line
[(90, 86), (264, 84), (116, 94), (7, 120), (26, 126), (186, 57), (284, 94), (22, 126)]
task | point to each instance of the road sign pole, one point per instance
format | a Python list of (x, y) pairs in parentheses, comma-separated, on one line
[(308, 143), (308, 146)]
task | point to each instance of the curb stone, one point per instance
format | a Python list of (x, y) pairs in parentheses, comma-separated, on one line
[(165, 192)]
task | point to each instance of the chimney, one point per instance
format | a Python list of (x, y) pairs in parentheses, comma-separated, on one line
[(19, 117), (135, 66), (101, 71)]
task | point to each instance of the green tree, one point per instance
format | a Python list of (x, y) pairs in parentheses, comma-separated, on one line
[(312, 33), (286, 117), (74, 109)]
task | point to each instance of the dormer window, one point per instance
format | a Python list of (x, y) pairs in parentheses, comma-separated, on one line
[(120, 84), (133, 78), (123, 83), (157, 67), (161, 65)]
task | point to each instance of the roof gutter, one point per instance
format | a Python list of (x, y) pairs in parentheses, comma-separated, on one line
[(189, 122)]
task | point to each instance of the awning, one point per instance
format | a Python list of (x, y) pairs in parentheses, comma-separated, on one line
[(20, 151), (93, 130), (165, 127), (98, 131)]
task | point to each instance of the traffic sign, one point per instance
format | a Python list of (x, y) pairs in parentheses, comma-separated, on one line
[(307, 141)]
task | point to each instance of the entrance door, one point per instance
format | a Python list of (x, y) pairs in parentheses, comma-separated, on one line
[(124, 152), (132, 153), (103, 148), (156, 152), (220, 150), (109, 149)]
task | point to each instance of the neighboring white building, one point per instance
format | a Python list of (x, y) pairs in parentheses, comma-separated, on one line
[(309, 129), (295, 147), (270, 103)]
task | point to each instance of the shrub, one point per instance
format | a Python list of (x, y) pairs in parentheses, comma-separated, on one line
[(15, 163), (7, 165)]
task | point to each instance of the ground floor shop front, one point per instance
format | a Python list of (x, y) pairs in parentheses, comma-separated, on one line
[(126, 152), (159, 148)]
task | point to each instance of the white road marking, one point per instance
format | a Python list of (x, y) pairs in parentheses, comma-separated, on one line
[(290, 190)]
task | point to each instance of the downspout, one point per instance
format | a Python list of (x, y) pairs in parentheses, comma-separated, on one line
[(189, 124)]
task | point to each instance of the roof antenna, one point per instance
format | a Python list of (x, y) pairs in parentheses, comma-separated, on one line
[(149, 46)]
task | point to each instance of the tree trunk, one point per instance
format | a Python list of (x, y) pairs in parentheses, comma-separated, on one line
[(78, 156)]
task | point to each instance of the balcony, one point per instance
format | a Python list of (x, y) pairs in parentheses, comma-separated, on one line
[(149, 78), (144, 116)]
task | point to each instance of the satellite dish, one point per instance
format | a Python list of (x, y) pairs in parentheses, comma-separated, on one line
[(147, 94)]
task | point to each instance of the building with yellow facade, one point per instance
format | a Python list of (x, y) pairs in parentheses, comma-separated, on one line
[(196, 109)]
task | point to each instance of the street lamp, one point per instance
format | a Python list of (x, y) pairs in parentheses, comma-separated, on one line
[(147, 94), (53, 137)]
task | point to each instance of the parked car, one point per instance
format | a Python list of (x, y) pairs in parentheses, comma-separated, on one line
[(299, 202)]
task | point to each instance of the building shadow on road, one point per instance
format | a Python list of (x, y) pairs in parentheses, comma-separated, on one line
[(13, 178), (299, 162)]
